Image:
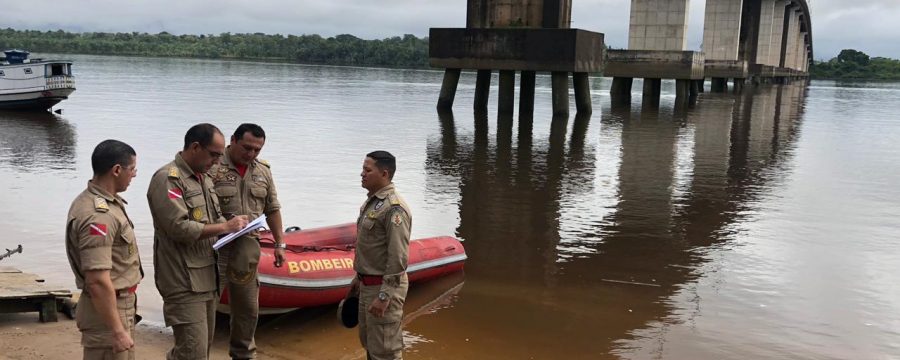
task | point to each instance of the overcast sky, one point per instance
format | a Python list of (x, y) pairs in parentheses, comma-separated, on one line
[(871, 26)]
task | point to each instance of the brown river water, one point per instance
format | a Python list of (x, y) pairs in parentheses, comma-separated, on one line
[(761, 225)]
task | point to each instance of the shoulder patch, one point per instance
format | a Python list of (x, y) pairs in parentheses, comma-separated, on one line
[(265, 162), (396, 219), (173, 172), (97, 229), (175, 193), (100, 204)]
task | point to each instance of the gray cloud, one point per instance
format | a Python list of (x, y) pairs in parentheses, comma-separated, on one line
[(866, 25)]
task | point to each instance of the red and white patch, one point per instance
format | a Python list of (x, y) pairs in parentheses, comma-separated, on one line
[(98, 229), (175, 193)]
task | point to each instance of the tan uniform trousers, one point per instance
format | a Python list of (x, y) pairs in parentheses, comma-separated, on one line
[(243, 301), (382, 337), (96, 337), (193, 325)]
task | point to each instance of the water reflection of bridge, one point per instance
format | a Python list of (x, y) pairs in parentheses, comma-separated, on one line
[(546, 232)]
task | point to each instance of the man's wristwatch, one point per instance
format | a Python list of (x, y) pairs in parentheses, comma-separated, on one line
[(383, 296), (281, 246)]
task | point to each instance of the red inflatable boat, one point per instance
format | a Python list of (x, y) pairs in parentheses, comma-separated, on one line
[(318, 266)]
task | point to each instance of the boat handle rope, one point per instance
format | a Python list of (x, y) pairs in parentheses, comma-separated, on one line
[(300, 249)]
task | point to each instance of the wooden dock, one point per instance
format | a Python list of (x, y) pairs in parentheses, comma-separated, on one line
[(23, 292)]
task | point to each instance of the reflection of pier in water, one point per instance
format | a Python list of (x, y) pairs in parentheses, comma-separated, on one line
[(32, 142), (683, 178)]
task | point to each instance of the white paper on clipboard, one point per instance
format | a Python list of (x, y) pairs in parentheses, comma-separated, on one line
[(253, 225)]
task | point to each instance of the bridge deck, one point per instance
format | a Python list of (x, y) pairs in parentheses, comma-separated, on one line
[(519, 49)]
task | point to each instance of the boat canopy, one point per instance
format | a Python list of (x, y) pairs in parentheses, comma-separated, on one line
[(16, 56)]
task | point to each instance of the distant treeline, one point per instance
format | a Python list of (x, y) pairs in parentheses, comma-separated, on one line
[(408, 51), (855, 65)]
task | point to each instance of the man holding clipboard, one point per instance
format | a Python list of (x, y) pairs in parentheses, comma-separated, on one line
[(244, 186), (186, 223)]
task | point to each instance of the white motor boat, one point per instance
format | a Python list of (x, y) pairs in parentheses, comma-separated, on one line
[(33, 84)]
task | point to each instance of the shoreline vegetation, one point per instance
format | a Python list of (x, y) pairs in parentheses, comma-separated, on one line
[(407, 51), (855, 65)]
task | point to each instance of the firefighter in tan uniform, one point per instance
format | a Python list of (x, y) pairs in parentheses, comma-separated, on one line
[(244, 186), (187, 221), (382, 248), (103, 254)]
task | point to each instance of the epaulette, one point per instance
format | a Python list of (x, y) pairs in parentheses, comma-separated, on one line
[(173, 172), (218, 174), (264, 162), (100, 204), (394, 200)]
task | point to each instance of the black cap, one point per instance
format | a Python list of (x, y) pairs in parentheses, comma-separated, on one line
[(348, 312)]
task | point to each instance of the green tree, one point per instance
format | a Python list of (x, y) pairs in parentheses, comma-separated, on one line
[(853, 56)]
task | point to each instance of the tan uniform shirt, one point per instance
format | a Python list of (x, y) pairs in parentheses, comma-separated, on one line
[(382, 242), (252, 195), (181, 202), (100, 236)]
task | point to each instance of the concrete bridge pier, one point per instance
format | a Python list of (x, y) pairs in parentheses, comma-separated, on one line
[(582, 85), (620, 91), (694, 92), (559, 51), (652, 90), (776, 39), (682, 88), (722, 42), (656, 51), (686, 89), (448, 89), (719, 85), (560, 88), (526, 94), (700, 85), (684, 67), (686, 93), (482, 91), (506, 97)]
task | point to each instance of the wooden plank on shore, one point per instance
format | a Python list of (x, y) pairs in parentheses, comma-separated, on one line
[(17, 284), (24, 292)]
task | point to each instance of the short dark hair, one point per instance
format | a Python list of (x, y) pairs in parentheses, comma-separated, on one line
[(200, 133), (109, 153), (254, 129), (384, 161)]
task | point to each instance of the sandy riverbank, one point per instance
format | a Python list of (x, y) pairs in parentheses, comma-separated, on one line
[(23, 337), (312, 333)]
